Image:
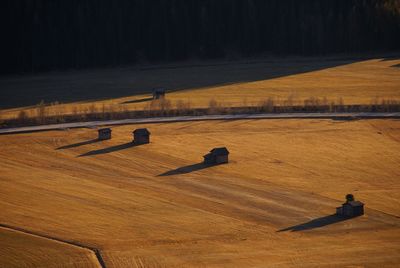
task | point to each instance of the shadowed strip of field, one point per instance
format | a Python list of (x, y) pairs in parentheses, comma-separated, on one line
[(185, 169), (137, 100), (230, 198), (315, 223), (18, 91), (69, 146), (110, 149)]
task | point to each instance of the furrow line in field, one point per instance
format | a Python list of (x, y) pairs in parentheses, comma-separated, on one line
[(96, 251)]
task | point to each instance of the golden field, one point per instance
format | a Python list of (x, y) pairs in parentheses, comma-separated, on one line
[(155, 206), (233, 85), (22, 250)]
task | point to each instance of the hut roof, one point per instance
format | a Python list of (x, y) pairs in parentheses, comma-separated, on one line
[(104, 130), (141, 131), (354, 203), (219, 151)]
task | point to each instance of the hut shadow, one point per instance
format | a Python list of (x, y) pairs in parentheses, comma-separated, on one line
[(315, 223), (137, 100), (185, 169), (69, 146), (110, 149)]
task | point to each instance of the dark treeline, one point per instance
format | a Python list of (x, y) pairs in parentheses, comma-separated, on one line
[(61, 34)]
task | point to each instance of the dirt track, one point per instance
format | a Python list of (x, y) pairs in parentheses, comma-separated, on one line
[(340, 116)]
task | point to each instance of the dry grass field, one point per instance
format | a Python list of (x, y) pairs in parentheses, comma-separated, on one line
[(235, 84), (155, 206), (22, 250)]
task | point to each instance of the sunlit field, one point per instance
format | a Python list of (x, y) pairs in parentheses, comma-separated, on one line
[(274, 134), (155, 205), (23, 250)]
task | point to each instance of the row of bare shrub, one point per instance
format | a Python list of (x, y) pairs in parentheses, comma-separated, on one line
[(164, 107)]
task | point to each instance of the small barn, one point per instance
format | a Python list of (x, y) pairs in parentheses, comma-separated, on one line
[(141, 136), (351, 208), (104, 134), (158, 93), (216, 156)]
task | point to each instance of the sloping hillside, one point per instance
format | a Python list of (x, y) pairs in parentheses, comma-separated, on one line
[(155, 205), (18, 249)]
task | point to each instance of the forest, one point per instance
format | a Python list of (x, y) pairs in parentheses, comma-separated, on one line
[(42, 35)]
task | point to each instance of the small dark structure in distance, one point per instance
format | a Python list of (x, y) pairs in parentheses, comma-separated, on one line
[(158, 93), (351, 208), (104, 134), (216, 156), (141, 136)]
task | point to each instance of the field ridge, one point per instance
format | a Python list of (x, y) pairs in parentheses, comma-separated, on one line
[(96, 251)]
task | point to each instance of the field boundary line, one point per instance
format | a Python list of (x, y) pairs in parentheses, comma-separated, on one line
[(96, 251)]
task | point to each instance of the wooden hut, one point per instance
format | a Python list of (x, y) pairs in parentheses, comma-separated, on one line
[(216, 156), (351, 208), (141, 136), (158, 93), (104, 134)]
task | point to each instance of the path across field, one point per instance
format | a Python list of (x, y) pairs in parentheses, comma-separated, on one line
[(338, 116)]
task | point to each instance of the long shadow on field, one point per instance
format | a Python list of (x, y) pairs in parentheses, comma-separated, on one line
[(69, 146), (137, 100), (110, 149), (186, 169), (316, 223), (396, 65)]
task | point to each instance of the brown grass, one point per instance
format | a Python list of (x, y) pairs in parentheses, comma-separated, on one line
[(23, 250), (163, 108), (282, 173)]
